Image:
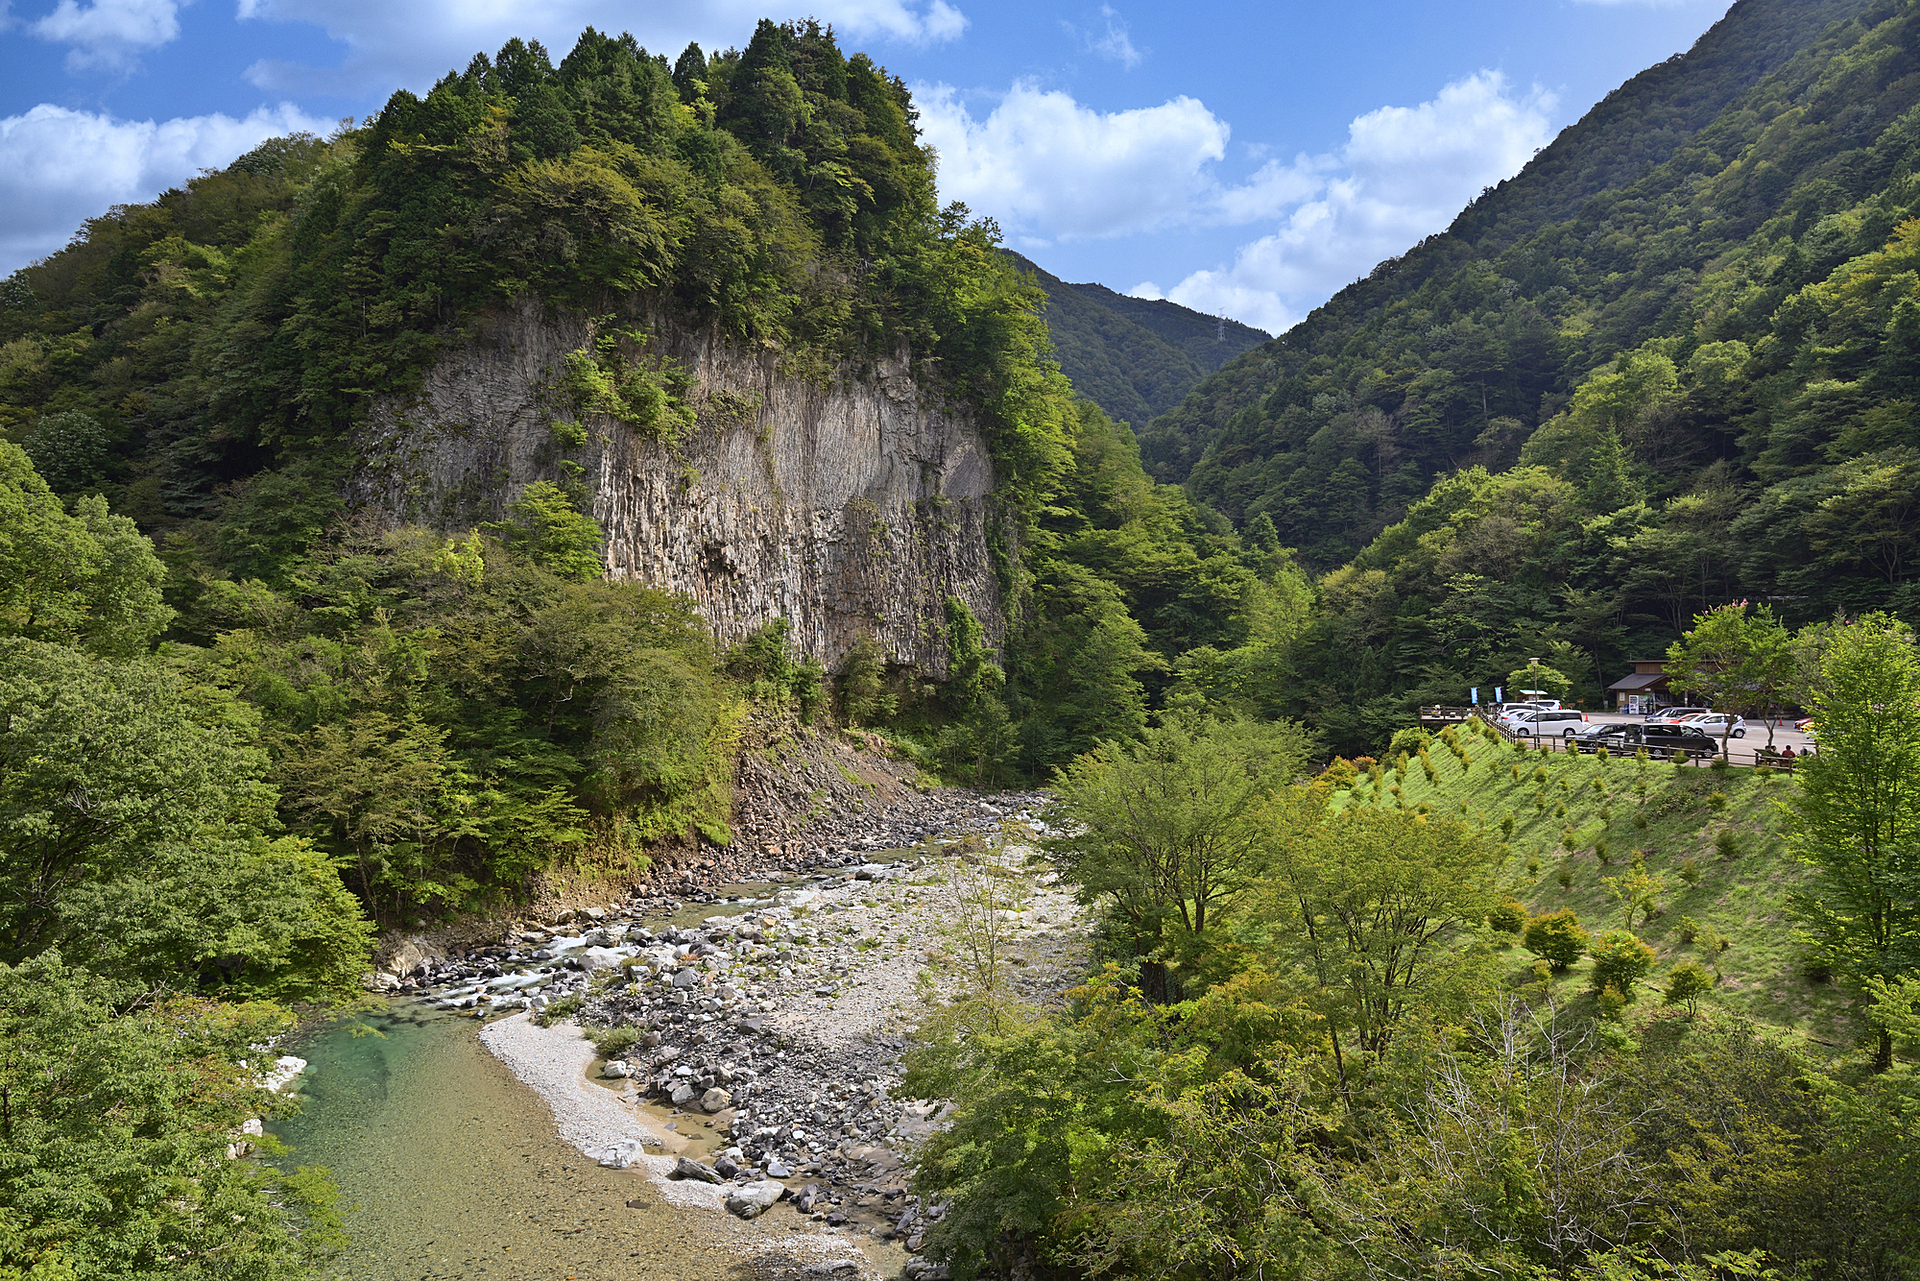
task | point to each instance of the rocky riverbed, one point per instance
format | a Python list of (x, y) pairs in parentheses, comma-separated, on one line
[(752, 1022)]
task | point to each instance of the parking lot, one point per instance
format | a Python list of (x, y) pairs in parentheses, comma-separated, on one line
[(1739, 750)]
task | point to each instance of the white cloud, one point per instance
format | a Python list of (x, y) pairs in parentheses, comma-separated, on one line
[(1049, 168), (65, 166), (1403, 174), (108, 33), (390, 45), (1114, 42)]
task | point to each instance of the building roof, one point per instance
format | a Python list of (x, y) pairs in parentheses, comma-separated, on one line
[(1637, 681)]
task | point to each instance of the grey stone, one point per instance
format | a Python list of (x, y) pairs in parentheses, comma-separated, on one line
[(771, 529), (688, 1168), (777, 1170), (716, 1100), (687, 978), (753, 1199), (616, 1070), (681, 1093)]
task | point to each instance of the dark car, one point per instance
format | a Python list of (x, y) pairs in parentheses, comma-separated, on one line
[(1675, 741)]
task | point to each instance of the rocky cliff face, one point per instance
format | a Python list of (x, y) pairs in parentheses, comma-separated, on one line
[(849, 510)]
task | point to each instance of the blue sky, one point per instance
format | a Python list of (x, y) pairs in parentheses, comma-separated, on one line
[(1243, 159)]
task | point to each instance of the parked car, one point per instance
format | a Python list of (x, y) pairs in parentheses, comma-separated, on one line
[(1613, 736), (1674, 715), (1545, 723), (1677, 741), (1511, 713), (1713, 723)]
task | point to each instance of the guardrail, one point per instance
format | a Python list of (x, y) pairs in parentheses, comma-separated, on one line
[(1756, 756)]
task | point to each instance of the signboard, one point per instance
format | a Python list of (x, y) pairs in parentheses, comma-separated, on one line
[(1499, 695), (1474, 696)]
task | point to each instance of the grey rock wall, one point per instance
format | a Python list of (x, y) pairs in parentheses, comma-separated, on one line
[(851, 509)]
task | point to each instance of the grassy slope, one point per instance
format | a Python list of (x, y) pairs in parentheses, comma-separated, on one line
[(1742, 897)]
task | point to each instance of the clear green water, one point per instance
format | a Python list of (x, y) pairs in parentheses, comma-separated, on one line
[(449, 1167)]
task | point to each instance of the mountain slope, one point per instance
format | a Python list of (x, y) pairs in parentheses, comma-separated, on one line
[(1134, 357), (1701, 387), (1503, 374)]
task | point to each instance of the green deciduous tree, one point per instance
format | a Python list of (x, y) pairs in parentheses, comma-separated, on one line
[(1855, 820), (88, 579), (1373, 906), (132, 812), (114, 1133), (1170, 833), (544, 525), (1740, 659)]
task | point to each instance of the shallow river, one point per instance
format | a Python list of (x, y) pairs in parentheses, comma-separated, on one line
[(448, 1167)]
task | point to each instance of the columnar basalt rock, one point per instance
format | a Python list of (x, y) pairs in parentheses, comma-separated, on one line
[(849, 509)]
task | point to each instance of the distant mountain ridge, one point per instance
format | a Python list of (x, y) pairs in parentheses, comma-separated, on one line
[(1136, 358), (1632, 133)]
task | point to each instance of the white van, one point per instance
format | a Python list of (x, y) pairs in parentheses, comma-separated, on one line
[(1550, 722)]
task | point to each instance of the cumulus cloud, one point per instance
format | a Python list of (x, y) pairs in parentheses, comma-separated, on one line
[(1049, 168), (65, 166), (388, 45), (1402, 175), (109, 33)]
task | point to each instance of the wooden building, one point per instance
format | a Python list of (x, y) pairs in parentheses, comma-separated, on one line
[(1645, 690)]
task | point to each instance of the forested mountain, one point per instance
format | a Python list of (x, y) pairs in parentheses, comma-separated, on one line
[(448, 711), (1587, 412), (1136, 358), (247, 713)]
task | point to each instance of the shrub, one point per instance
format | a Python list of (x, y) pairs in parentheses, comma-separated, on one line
[(1411, 739), (564, 1008), (1726, 843), (1620, 960), (1556, 937), (612, 1042), (1341, 773), (1688, 982), (1506, 827), (1533, 865), (1689, 870), (1717, 801), (1610, 1000), (1540, 775), (1509, 917), (1565, 877)]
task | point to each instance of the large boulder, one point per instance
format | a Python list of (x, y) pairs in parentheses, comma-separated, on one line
[(596, 959), (752, 1199), (716, 1100), (688, 1168)]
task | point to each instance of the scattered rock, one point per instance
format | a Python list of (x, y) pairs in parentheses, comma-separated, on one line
[(688, 1168), (716, 1100)]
